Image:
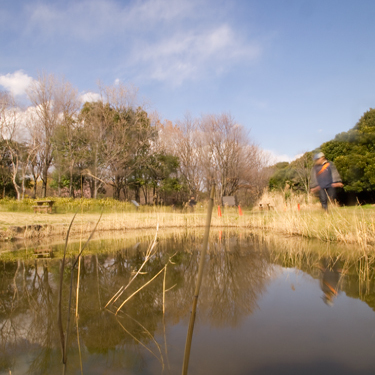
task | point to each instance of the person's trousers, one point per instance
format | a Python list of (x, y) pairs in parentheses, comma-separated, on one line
[(325, 195)]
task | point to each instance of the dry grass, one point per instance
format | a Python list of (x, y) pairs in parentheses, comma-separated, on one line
[(352, 225), (58, 223)]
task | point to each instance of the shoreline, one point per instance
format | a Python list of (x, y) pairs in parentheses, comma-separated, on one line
[(341, 225)]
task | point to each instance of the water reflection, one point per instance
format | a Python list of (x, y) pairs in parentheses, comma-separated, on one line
[(242, 286), (330, 279)]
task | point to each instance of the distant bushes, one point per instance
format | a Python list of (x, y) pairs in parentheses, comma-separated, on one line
[(65, 205)]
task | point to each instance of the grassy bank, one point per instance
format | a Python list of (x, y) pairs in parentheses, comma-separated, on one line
[(354, 225), (70, 205)]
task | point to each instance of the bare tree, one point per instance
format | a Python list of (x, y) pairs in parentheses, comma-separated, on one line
[(227, 154), (184, 141), (303, 166), (17, 139), (54, 102), (214, 148), (256, 176), (9, 126)]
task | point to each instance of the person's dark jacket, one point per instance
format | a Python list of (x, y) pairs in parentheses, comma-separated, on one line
[(324, 175)]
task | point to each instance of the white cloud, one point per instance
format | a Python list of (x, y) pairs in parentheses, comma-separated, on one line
[(117, 81), (89, 97), (156, 10), (190, 54), (164, 40), (17, 123), (16, 82), (275, 157), (92, 18)]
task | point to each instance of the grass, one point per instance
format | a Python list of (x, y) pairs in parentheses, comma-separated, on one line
[(351, 225), (70, 205)]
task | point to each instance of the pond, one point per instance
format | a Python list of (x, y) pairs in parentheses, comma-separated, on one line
[(267, 305)]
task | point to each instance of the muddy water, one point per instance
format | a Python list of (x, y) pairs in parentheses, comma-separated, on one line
[(267, 306)]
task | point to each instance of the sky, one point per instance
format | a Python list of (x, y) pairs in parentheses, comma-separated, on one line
[(293, 72)]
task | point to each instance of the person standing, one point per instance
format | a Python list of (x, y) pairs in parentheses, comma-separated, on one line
[(324, 179), (192, 202)]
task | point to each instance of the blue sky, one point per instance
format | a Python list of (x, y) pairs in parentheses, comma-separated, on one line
[(295, 72)]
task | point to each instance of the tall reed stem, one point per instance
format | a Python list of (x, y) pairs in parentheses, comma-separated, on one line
[(189, 336)]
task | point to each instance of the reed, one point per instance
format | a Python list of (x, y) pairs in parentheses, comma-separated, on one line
[(294, 217), (189, 336), (63, 337), (149, 254), (353, 225)]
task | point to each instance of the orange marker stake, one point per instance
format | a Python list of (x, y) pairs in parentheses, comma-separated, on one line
[(239, 210), (219, 211)]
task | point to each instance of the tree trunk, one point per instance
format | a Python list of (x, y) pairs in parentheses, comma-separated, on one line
[(44, 188), (116, 192), (71, 192), (44, 181), (59, 185), (117, 187), (95, 173), (145, 193), (125, 191), (14, 177), (34, 187), (17, 188), (23, 188), (92, 187), (137, 196)]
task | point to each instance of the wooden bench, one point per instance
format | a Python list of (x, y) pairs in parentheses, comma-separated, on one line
[(43, 252), (43, 206)]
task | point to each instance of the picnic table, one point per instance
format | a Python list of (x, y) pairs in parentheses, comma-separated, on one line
[(45, 252), (44, 206)]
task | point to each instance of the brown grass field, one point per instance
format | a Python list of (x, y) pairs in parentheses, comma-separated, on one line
[(342, 224)]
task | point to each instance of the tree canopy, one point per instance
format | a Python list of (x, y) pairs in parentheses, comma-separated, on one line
[(113, 143), (353, 153)]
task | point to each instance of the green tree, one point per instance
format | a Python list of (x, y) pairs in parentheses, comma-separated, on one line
[(353, 153), (6, 185), (133, 135), (95, 118), (118, 139), (282, 174), (69, 156), (162, 175)]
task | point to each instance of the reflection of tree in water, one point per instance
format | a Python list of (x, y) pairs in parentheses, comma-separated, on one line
[(236, 274), (28, 314), (236, 277), (8, 330)]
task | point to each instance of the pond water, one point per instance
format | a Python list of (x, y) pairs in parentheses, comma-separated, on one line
[(266, 306)]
